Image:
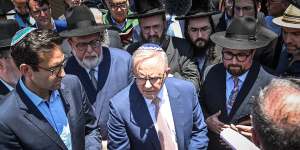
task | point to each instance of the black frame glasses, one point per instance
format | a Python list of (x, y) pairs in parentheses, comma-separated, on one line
[(55, 70), (241, 57), (82, 47), (152, 80)]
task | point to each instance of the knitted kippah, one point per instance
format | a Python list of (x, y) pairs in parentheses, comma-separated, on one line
[(21, 34), (150, 46)]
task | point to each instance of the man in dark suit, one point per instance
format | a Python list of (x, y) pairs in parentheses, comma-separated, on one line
[(228, 86), (102, 71), (152, 22), (9, 73), (48, 110), (156, 112), (198, 28)]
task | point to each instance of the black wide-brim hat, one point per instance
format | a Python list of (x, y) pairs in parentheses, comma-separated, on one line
[(198, 10), (81, 22), (243, 34), (8, 28), (147, 8)]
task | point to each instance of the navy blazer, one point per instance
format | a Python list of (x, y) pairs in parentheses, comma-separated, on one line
[(22, 125), (130, 125)]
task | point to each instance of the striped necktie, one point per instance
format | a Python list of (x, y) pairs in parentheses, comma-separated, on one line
[(234, 93), (93, 78), (163, 130)]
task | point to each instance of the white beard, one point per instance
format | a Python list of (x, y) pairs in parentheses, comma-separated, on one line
[(90, 63)]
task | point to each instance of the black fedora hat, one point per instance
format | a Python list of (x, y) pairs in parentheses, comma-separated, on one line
[(242, 34), (146, 8), (295, 3), (198, 9), (81, 22), (6, 6), (8, 28)]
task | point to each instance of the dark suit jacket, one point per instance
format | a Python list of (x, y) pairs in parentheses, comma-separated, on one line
[(179, 52), (130, 125), (213, 96), (73, 67), (22, 126)]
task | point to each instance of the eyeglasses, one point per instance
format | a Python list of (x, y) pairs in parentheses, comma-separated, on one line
[(120, 5), (152, 80), (38, 12), (55, 70), (241, 57), (82, 47)]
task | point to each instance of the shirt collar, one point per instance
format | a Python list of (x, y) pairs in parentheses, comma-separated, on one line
[(37, 100), (241, 77), (160, 95)]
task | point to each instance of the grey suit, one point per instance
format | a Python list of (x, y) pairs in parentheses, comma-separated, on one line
[(22, 125), (119, 76), (213, 96)]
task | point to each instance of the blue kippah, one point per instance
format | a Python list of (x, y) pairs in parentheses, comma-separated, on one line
[(150, 46), (21, 34)]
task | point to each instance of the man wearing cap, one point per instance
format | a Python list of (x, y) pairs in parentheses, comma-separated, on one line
[(228, 87), (103, 71), (156, 111), (289, 63), (153, 26), (198, 28), (49, 109), (9, 73), (41, 12)]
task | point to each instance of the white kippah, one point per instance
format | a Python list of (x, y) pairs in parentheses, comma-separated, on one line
[(150, 46)]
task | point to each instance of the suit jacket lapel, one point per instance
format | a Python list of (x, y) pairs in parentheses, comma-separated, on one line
[(141, 117), (74, 68), (247, 85), (177, 112), (221, 88), (104, 68), (3, 89), (36, 117)]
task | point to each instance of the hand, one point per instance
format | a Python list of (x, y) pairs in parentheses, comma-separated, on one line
[(244, 130), (214, 124)]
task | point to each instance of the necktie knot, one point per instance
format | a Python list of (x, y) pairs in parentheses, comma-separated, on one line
[(93, 78)]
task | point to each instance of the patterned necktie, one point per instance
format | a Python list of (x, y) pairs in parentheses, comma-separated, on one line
[(233, 93), (93, 78), (163, 130)]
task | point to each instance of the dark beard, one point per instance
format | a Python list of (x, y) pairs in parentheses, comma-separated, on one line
[(236, 72), (155, 40)]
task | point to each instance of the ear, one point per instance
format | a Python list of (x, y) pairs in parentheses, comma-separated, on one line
[(26, 70), (2, 64), (258, 6), (168, 70)]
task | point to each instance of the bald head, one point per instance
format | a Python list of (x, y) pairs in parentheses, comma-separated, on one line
[(276, 115)]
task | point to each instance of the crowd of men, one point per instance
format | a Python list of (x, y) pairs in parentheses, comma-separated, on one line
[(149, 74)]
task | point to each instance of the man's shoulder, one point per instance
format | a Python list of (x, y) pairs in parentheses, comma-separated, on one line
[(133, 47), (9, 106), (119, 53), (70, 81), (181, 85), (121, 99), (180, 41)]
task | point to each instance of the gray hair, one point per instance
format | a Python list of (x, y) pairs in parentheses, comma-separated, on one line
[(276, 115)]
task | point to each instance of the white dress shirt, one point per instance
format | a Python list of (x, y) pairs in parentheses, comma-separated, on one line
[(165, 107)]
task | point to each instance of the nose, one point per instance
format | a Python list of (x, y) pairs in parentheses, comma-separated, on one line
[(199, 34), (89, 49), (61, 72), (152, 32), (240, 12), (288, 38), (43, 13), (148, 85)]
